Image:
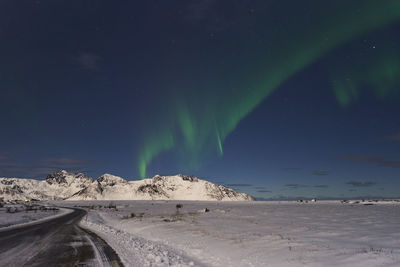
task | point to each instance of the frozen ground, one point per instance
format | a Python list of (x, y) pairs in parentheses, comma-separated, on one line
[(249, 234), (17, 214)]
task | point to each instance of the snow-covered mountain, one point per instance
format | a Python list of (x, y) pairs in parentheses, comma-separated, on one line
[(76, 186)]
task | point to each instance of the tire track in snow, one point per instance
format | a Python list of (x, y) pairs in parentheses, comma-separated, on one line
[(104, 254)]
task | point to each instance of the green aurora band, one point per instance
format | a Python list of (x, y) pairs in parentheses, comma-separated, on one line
[(204, 129), (381, 75)]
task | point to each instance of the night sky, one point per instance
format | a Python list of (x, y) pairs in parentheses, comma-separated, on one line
[(279, 99)]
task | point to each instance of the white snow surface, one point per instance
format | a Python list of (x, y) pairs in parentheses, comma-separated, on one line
[(59, 185), (68, 186), (9, 221), (325, 233)]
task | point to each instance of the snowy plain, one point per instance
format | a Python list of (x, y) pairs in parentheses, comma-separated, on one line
[(326, 233), (22, 216)]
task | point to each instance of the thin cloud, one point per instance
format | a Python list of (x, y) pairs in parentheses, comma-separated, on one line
[(321, 186), (295, 186), (260, 187), (199, 10), (239, 185), (65, 161), (361, 184), (264, 191), (88, 61), (320, 173), (379, 160), (35, 171), (210, 14), (291, 169), (394, 137)]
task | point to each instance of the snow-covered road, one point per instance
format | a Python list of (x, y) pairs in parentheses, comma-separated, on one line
[(55, 242)]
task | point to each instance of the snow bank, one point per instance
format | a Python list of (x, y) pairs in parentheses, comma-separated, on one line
[(133, 250), (10, 221)]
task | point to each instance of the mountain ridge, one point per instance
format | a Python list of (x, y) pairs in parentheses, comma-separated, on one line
[(63, 185)]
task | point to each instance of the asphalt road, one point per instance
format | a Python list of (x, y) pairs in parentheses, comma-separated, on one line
[(57, 242)]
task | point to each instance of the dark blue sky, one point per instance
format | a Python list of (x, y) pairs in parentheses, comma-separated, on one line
[(303, 97)]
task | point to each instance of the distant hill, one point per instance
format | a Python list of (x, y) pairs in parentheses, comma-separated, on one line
[(63, 185)]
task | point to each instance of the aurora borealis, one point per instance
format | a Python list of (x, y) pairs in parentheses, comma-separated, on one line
[(267, 93), (294, 51)]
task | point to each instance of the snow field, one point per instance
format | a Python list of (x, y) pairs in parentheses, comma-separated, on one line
[(250, 233), (24, 217)]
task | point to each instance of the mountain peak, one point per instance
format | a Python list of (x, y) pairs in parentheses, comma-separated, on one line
[(109, 179), (189, 178), (64, 177), (57, 177), (183, 177)]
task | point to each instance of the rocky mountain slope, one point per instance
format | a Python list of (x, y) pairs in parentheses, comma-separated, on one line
[(68, 186)]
